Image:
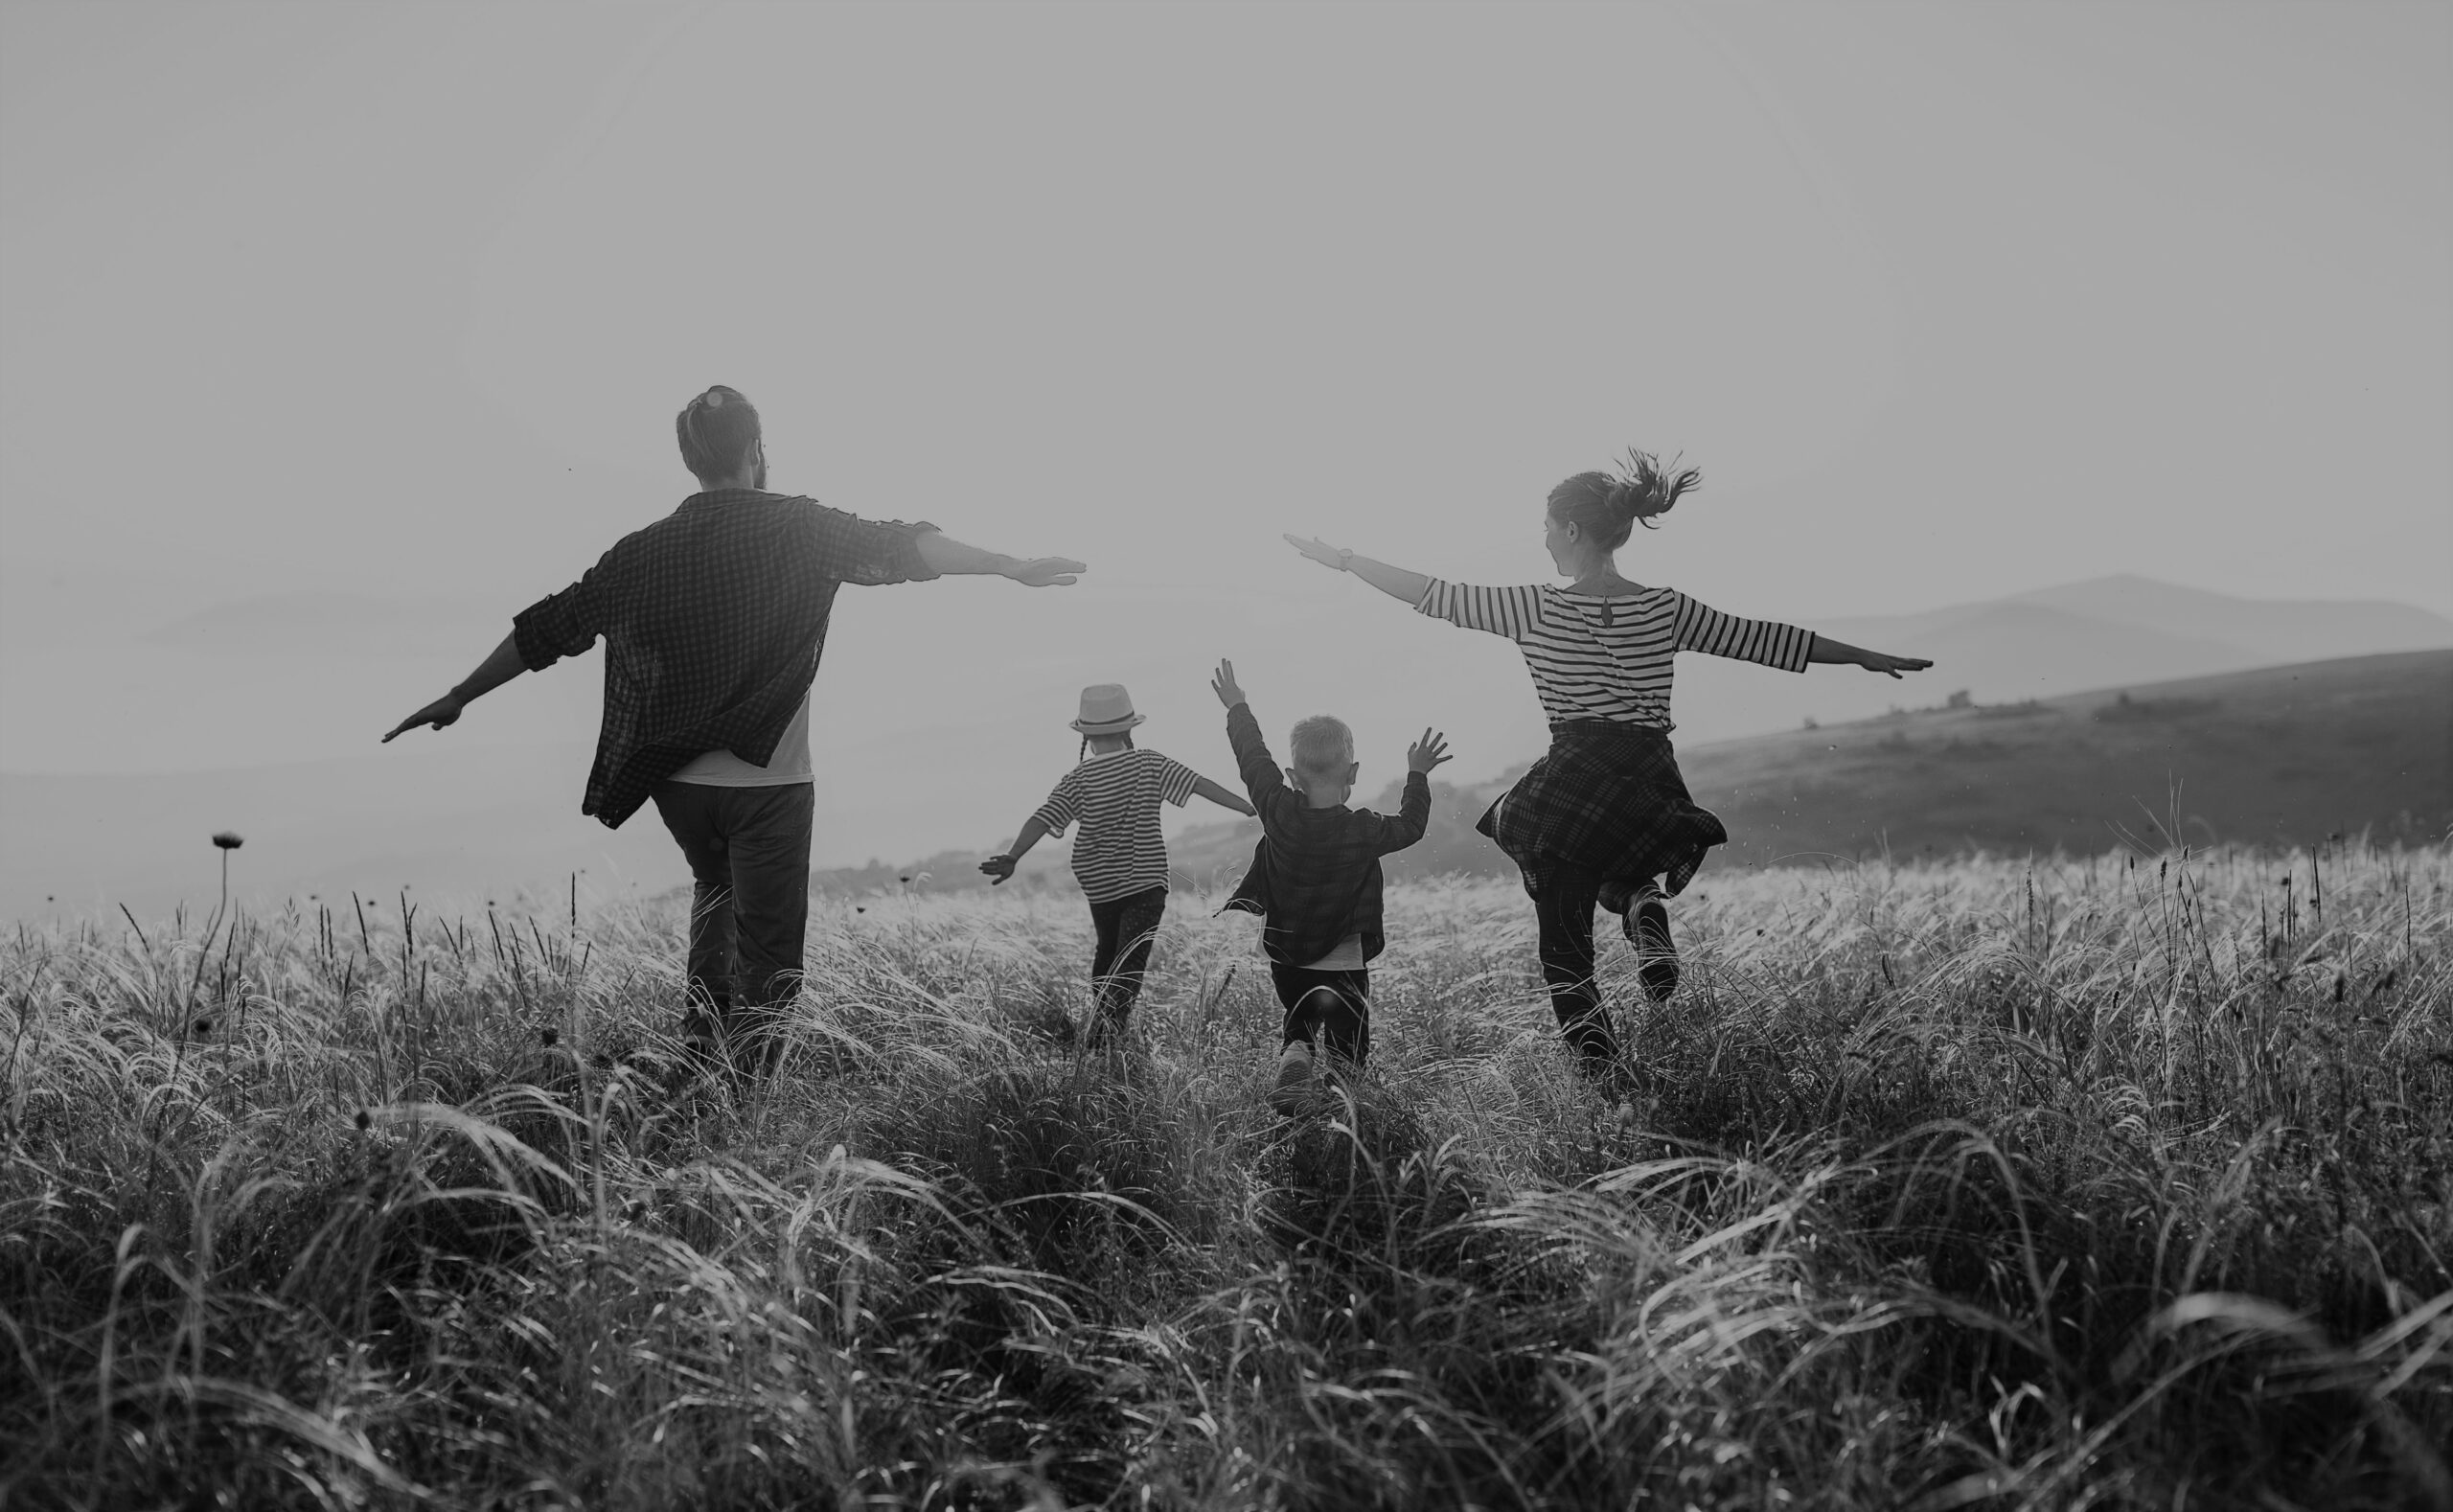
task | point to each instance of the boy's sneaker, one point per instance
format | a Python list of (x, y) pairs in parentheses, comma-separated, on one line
[(1647, 928), (1292, 1093)]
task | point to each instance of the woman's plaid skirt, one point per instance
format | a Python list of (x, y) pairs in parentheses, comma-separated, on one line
[(1608, 797)]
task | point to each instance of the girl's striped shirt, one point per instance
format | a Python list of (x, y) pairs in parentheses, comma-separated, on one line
[(1609, 659), (1116, 797)]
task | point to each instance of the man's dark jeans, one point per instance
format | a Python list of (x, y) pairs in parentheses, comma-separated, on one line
[(748, 854), (1126, 928)]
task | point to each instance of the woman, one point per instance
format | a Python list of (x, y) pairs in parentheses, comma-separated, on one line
[(1604, 817)]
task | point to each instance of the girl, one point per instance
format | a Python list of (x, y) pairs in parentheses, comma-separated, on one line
[(1604, 817), (1119, 859)]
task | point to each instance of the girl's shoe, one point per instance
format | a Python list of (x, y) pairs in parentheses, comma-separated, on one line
[(1655, 954), (1292, 1093)]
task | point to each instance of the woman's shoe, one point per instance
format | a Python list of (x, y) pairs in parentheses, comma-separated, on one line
[(1655, 954)]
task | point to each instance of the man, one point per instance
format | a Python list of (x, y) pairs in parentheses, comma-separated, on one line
[(713, 620)]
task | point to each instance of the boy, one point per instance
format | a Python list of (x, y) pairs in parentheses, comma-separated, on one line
[(1315, 881)]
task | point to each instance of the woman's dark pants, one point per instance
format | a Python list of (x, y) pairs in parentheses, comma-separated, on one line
[(748, 854), (1127, 928), (1330, 1010), (1564, 909)]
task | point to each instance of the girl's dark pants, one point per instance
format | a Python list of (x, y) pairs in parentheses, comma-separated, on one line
[(1331, 1010), (1127, 926), (1564, 910), (749, 854)]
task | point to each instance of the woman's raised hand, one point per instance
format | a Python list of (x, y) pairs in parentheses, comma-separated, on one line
[(1326, 555), (1892, 666)]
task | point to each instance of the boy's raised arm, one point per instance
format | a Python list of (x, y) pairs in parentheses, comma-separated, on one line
[(1261, 777), (1413, 808)]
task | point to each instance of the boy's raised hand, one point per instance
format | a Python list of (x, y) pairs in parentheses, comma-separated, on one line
[(1427, 752), (1223, 684)]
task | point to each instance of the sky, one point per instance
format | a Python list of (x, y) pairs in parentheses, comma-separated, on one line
[(392, 305)]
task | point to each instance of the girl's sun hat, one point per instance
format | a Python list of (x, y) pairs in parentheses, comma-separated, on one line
[(1107, 709)]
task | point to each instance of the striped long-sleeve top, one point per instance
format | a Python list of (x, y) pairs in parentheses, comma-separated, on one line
[(1595, 657)]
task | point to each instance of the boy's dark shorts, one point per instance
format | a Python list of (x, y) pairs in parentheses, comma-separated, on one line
[(1330, 1009)]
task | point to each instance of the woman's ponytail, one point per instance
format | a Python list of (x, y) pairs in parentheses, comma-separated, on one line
[(1644, 489), (1606, 505)]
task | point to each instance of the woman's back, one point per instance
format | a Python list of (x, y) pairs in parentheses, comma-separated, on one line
[(1596, 656)]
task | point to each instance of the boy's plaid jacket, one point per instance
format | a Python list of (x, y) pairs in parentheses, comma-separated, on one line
[(1314, 877)]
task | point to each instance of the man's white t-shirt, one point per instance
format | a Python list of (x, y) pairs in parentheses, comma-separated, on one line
[(791, 763)]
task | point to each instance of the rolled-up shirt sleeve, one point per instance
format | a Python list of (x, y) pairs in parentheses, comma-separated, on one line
[(851, 549), (561, 625), (1705, 628), (1510, 611)]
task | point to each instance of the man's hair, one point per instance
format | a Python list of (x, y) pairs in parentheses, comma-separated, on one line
[(717, 430), (1323, 746)]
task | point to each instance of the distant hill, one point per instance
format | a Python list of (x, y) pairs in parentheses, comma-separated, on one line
[(2283, 755)]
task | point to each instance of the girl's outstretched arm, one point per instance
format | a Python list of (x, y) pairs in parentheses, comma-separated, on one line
[(1204, 788), (1826, 649), (1001, 867), (1395, 582)]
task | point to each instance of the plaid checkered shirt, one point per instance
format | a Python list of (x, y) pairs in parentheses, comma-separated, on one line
[(713, 618), (1315, 878)]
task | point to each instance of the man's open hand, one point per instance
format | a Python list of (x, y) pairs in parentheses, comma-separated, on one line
[(1042, 572), (1223, 684), (1427, 752), (442, 712)]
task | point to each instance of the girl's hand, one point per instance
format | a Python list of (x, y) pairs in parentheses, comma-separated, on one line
[(1223, 684), (1892, 666), (1428, 752), (999, 867), (1326, 555)]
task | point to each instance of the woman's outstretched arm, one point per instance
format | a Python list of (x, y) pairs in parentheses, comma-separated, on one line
[(1397, 583), (1826, 649)]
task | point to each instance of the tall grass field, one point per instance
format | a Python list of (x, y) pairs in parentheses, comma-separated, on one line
[(2112, 1183)]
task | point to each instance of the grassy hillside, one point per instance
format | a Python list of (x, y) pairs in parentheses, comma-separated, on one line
[(2284, 755), (1968, 1186)]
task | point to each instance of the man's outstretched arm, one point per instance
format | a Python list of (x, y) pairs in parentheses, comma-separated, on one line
[(502, 664), (951, 557)]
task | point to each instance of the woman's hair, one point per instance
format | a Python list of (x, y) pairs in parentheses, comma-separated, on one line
[(1085, 753), (716, 431), (1606, 505)]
